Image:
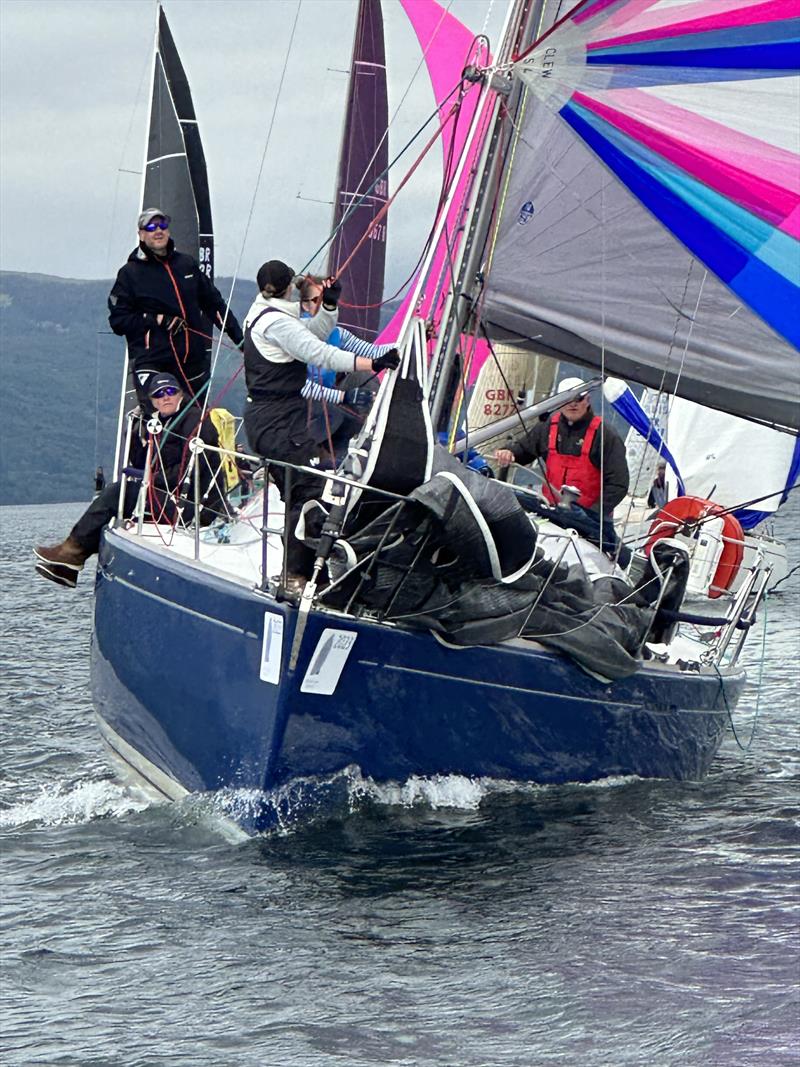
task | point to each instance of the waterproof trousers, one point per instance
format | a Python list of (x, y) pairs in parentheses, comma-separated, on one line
[(276, 430)]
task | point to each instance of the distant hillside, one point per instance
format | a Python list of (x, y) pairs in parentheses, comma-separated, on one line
[(60, 377), (60, 373)]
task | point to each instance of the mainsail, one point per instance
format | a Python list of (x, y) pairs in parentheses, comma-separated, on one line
[(175, 170), (362, 186), (652, 212)]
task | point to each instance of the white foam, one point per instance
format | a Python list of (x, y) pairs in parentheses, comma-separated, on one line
[(63, 804)]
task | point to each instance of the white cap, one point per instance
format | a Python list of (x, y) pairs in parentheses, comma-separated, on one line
[(571, 383)]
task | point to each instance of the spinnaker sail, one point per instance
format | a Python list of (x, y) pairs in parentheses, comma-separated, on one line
[(652, 211)]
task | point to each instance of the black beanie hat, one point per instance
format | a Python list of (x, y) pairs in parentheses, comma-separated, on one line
[(274, 276)]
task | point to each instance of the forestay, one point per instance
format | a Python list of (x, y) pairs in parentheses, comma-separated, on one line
[(652, 212)]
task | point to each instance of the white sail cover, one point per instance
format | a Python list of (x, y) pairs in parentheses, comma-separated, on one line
[(652, 209)]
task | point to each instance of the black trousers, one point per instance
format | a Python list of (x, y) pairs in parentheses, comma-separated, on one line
[(88, 530), (89, 527), (278, 431)]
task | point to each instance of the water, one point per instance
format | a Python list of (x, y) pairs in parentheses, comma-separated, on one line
[(444, 922)]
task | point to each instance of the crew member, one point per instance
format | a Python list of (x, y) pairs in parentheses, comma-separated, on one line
[(580, 451), (164, 305), (278, 349), (172, 426), (333, 425), (659, 493)]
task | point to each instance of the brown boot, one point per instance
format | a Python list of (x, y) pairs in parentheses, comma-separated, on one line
[(61, 563), (69, 554)]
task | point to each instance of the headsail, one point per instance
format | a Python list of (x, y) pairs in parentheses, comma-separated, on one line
[(362, 177), (175, 169), (660, 156), (732, 461)]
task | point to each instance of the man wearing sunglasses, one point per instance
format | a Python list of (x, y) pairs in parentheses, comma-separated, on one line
[(164, 305), (169, 494), (579, 450)]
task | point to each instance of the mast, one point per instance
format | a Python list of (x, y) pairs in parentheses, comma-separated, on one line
[(523, 15), (364, 156)]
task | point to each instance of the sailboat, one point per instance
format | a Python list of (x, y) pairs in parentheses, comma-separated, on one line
[(436, 637)]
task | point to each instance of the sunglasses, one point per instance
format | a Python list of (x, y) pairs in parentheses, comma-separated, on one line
[(151, 227), (168, 390)]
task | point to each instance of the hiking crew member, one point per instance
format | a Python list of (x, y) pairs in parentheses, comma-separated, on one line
[(278, 350), (169, 465), (164, 306), (580, 451)]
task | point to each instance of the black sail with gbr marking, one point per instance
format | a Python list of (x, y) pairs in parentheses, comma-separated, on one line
[(175, 174)]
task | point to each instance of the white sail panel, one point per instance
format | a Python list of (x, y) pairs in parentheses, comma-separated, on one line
[(728, 460)]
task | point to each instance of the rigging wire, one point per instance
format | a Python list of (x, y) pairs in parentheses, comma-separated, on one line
[(385, 136), (384, 173), (259, 175)]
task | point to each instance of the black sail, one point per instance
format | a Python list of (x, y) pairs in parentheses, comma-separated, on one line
[(175, 172), (362, 167)]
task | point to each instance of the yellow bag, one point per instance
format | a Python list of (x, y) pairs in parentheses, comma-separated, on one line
[(225, 425)]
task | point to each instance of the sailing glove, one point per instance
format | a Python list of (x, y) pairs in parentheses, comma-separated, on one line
[(388, 361), (330, 295), (358, 398)]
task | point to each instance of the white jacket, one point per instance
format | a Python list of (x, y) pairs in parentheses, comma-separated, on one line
[(280, 338)]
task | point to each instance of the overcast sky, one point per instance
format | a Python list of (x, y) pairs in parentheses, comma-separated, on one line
[(74, 86)]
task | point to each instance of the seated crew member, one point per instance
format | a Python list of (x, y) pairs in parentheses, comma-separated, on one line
[(164, 305), (576, 445), (330, 387), (278, 349), (176, 422)]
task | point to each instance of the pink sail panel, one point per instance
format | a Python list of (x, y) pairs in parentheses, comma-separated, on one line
[(697, 17), (446, 44), (761, 177), (594, 7)]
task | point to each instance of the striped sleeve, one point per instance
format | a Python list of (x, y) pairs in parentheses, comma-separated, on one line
[(348, 342)]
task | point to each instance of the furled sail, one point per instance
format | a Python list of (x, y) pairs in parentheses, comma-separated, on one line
[(362, 178), (175, 171), (652, 212)]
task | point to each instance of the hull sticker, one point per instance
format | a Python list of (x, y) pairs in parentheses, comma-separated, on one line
[(271, 648), (328, 662)]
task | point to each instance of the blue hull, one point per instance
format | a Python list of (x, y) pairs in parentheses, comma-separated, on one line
[(178, 657)]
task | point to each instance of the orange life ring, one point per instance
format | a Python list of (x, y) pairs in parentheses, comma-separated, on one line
[(684, 509)]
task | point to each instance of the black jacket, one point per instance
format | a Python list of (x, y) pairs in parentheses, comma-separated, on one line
[(144, 289), (170, 461), (569, 442)]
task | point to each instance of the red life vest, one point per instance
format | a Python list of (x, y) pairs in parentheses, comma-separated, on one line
[(573, 470)]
